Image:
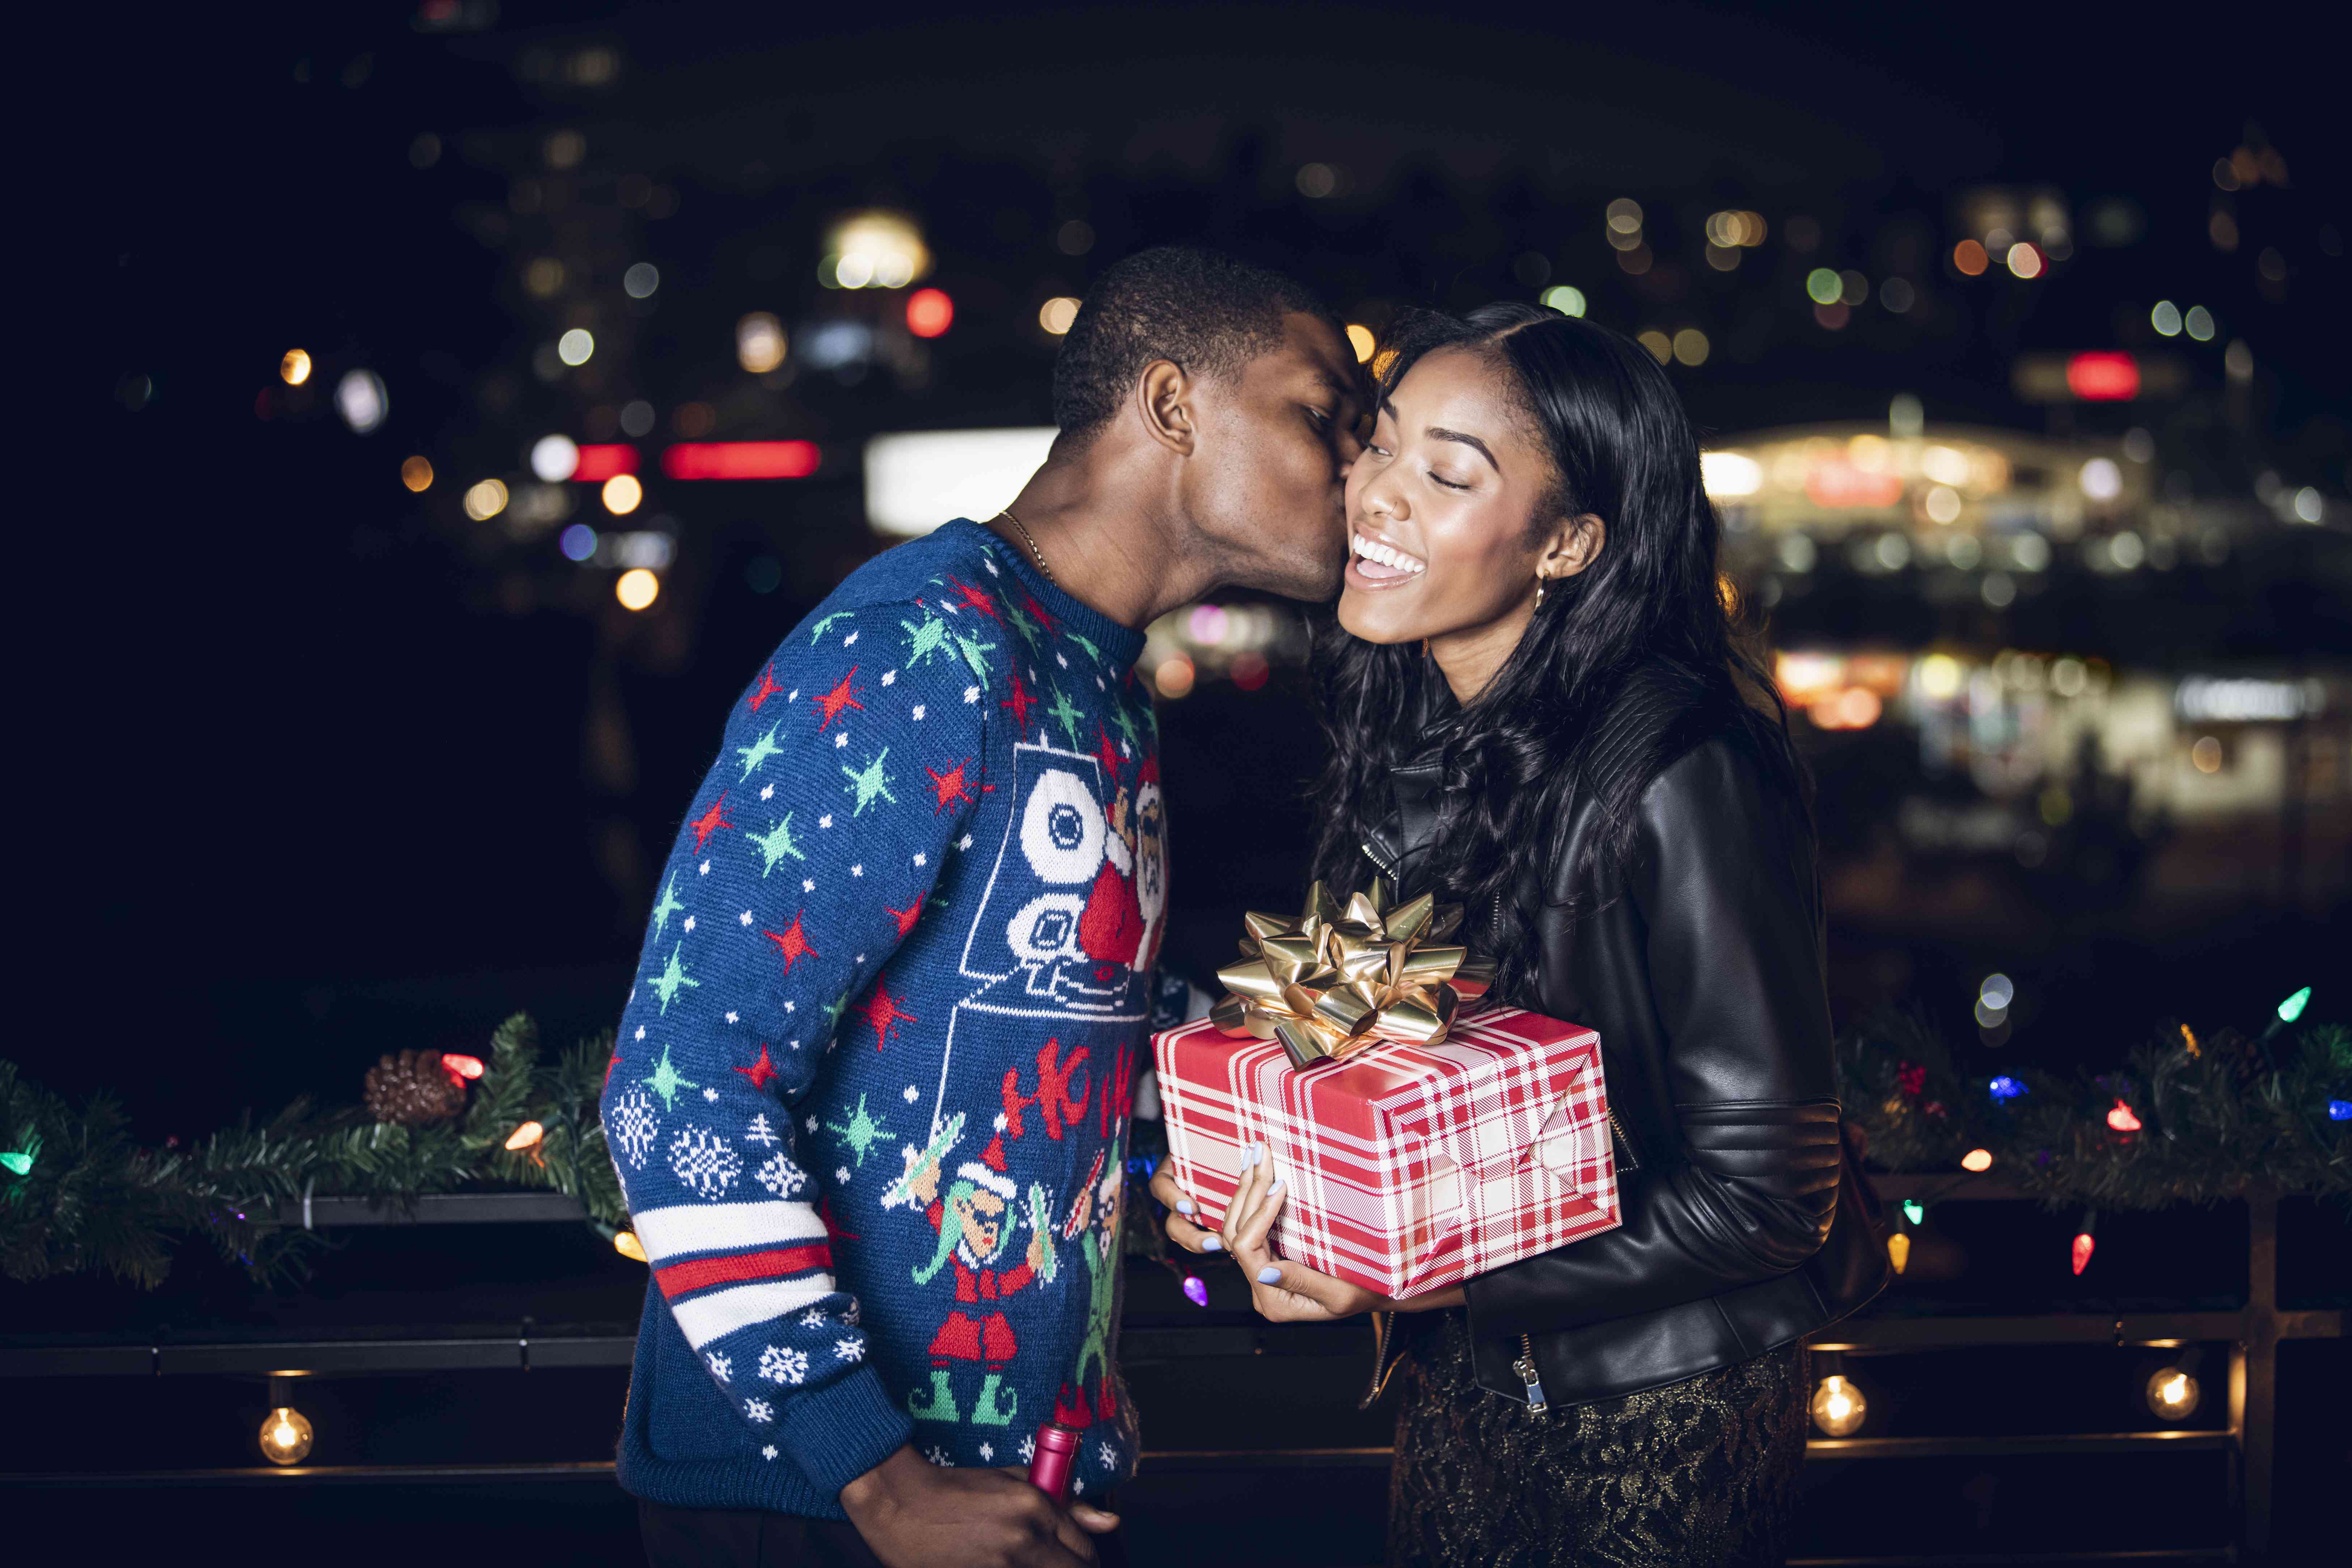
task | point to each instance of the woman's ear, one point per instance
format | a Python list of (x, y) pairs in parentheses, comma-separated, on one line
[(1572, 546)]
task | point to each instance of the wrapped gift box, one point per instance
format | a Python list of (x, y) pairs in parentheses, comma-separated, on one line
[(1410, 1167)]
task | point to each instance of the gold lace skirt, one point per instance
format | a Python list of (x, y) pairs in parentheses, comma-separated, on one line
[(1699, 1474)]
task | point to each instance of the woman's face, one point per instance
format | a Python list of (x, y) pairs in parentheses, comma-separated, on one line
[(1443, 535)]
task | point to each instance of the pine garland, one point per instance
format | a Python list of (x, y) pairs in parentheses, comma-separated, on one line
[(2215, 1116), (91, 1198)]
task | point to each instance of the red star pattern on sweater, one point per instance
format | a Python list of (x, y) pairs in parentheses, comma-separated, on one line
[(975, 598), (709, 822), (882, 1011), (1040, 614), (761, 1071), (1021, 703), (792, 942), (1107, 755), (839, 698), (768, 687), (949, 786), (907, 917)]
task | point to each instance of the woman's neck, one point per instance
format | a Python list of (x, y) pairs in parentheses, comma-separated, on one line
[(1470, 657)]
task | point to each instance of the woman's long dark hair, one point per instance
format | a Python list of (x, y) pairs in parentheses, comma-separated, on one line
[(1518, 755)]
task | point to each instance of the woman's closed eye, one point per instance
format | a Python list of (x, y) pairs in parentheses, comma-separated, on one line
[(1449, 484)]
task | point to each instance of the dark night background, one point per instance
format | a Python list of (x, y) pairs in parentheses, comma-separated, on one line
[(318, 769)]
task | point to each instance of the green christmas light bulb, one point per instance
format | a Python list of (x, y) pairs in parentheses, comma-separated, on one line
[(2292, 1009), (18, 1162), (1913, 1210)]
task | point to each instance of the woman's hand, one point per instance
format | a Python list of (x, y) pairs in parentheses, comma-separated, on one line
[(1282, 1291)]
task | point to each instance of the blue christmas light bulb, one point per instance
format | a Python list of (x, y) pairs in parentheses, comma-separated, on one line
[(2339, 1110), (2005, 1087)]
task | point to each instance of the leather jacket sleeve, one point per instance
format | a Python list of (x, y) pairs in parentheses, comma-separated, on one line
[(1745, 1184)]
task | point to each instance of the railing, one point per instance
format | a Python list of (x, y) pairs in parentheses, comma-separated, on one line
[(2253, 1333)]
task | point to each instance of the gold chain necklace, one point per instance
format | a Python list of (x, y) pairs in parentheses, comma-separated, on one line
[(1030, 541)]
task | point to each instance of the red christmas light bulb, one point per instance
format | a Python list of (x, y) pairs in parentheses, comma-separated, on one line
[(2085, 1244), (463, 1067), (2122, 1120)]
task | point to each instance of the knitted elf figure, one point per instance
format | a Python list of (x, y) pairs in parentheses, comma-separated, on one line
[(975, 1223), (1094, 1222)]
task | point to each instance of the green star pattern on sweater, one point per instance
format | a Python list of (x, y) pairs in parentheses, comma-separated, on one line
[(1066, 715), (775, 844), (665, 1082), (971, 648), (869, 780), (667, 907), (922, 641), (673, 976), (862, 1133), (760, 751)]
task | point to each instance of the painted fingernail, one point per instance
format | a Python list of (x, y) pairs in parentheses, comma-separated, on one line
[(1276, 1188), (1257, 1154), (1186, 1205), (1210, 1244), (1269, 1275)]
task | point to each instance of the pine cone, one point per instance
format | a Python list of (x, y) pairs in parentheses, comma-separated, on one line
[(413, 1089)]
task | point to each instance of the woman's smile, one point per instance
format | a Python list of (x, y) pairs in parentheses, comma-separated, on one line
[(1374, 563)]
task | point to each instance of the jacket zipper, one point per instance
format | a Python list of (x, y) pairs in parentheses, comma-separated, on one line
[(1382, 1323), (1633, 1159), (1386, 867), (1533, 1381)]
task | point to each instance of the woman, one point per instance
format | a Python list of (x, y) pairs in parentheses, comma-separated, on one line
[(1537, 708)]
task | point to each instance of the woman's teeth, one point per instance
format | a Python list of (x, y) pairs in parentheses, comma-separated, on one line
[(1396, 560)]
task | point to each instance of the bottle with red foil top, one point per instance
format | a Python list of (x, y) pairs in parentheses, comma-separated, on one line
[(1057, 1451)]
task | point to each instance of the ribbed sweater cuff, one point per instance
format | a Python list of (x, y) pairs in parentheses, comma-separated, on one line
[(837, 1433)]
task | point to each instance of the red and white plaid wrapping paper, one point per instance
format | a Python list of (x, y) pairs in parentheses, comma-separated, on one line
[(1409, 1167)]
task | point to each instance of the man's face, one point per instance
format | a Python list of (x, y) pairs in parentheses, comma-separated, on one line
[(983, 1219), (1268, 482)]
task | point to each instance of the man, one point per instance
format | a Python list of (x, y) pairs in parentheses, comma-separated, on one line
[(901, 963)]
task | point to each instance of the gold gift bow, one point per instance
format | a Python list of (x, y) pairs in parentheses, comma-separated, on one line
[(1330, 982)]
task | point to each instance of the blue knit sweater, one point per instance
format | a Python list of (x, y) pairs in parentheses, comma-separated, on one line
[(868, 1104)]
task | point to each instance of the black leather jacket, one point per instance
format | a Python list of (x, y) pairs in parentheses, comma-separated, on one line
[(1746, 1222)]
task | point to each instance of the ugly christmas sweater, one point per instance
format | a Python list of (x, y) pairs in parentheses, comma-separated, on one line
[(868, 1102)]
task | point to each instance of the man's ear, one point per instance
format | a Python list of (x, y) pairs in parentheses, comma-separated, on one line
[(1164, 399), (1575, 544)]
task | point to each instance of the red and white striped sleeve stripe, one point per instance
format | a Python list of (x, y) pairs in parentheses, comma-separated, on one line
[(724, 1267)]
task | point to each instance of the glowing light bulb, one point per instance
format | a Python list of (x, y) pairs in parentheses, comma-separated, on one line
[(285, 1436), (1838, 1407), (623, 494), (2338, 1110), (463, 1066), (2172, 1394), (525, 1136), (2005, 1087), (637, 588), (625, 1243), (1196, 1290), (2292, 1009), (1977, 1160), (2085, 1244), (1913, 1210), (2122, 1120), (1898, 1250), (295, 368), (20, 1161)]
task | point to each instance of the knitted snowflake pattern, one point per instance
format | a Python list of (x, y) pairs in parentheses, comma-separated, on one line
[(700, 1160), (782, 1365), (633, 1127)]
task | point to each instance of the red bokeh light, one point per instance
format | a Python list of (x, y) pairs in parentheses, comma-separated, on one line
[(2102, 377), (599, 463), (929, 313), (463, 1067), (740, 460)]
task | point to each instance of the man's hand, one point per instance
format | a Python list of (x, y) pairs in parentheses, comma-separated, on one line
[(915, 1514), (1283, 1292)]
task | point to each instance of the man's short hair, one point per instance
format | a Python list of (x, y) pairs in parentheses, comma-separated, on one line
[(1206, 312)]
